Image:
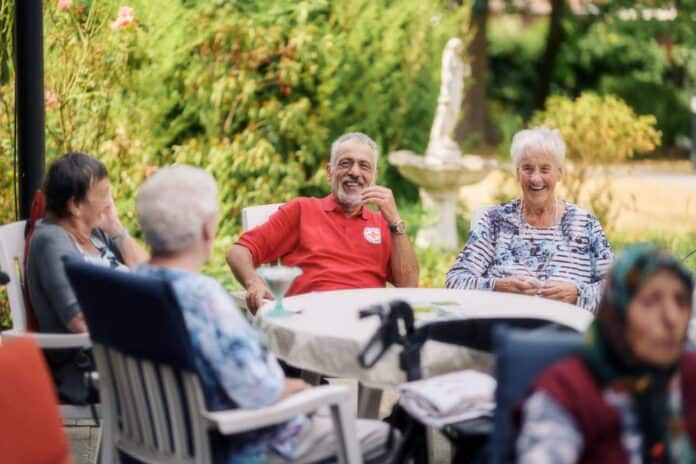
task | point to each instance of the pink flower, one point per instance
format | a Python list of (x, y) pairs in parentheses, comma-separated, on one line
[(50, 100), (125, 18), (64, 4), (125, 12)]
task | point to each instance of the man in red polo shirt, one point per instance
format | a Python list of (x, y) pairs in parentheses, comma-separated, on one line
[(336, 241)]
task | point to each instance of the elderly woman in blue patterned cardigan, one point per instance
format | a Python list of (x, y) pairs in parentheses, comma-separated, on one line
[(537, 244)]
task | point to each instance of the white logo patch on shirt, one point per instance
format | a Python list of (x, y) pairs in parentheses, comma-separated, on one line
[(373, 235)]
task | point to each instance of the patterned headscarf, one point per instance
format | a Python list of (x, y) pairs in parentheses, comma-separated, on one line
[(611, 359)]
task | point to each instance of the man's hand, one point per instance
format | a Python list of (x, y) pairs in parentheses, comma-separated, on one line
[(383, 198), (561, 291), (256, 292), (404, 264), (515, 285)]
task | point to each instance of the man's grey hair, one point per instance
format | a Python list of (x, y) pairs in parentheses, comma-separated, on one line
[(173, 205), (538, 138), (356, 137)]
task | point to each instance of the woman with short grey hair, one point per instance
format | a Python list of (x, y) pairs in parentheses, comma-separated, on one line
[(537, 244), (178, 213), (172, 208)]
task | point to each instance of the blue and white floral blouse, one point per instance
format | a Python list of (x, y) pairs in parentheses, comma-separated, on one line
[(502, 244), (235, 368)]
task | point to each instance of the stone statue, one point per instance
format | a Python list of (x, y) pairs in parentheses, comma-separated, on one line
[(443, 170), (442, 145)]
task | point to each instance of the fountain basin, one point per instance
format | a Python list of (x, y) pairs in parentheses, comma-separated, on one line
[(438, 175)]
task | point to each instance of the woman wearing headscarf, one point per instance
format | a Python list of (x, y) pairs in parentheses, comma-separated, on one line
[(629, 394)]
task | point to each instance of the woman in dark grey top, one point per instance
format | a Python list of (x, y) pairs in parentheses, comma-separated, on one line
[(81, 220)]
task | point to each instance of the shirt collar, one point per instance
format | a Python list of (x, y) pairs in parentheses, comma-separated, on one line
[(328, 203)]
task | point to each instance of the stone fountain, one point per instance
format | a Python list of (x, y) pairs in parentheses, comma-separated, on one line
[(443, 170)]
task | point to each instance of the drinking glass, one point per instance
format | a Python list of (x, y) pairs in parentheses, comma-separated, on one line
[(278, 279)]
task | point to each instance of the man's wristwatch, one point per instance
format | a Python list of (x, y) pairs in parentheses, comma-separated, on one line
[(399, 228)]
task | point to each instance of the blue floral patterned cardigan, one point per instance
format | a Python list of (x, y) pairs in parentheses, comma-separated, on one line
[(502, 244)]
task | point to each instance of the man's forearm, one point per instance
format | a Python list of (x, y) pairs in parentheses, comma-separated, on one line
[(242, 265), (404, 264)]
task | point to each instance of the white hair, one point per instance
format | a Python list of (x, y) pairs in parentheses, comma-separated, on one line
[(538, 138), (173, 205), (357, 137)]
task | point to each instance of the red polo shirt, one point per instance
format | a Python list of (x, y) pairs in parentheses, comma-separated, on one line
[(333, 251)]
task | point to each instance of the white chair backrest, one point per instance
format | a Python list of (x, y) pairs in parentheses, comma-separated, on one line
[(477, 214), (12, 263), (144, 410), (253, 216)]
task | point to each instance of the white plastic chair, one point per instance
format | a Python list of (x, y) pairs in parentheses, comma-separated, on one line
[(154, 406), (253, 216), (143, 431), (12, 263)]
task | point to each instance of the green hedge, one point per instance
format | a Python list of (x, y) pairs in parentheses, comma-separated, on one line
[(254, 91)]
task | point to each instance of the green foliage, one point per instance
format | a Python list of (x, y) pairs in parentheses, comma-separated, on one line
[(434, 264), (643, 62), (253, 91), (258, 96), (514, 47), (597, 130), (6, 37), (681, 245), (620, 49), (7, 126)]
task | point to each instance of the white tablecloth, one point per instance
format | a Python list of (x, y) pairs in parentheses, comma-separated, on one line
[(327, 335)]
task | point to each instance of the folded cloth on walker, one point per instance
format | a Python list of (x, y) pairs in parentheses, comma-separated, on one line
[(449, 398)]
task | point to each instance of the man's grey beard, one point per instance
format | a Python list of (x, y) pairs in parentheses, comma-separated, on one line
[(346, 200)]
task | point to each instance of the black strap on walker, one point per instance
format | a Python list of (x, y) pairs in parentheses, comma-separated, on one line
[(397, 327)]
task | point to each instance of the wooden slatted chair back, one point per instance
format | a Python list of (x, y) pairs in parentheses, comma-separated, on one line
[(153, 410)]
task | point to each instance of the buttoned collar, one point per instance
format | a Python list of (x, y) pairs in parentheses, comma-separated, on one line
[(328, 203)]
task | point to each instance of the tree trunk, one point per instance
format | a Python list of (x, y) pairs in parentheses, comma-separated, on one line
[(474, 115), (553, 45)]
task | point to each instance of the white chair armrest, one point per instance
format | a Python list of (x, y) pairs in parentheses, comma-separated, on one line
[(51, 340), (241, 420)]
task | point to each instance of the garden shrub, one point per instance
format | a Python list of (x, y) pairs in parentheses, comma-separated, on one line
[(252, 91), (514, 48), (598, 130), (649, 64)]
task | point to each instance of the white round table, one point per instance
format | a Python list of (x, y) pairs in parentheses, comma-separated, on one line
[(327, 336)]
